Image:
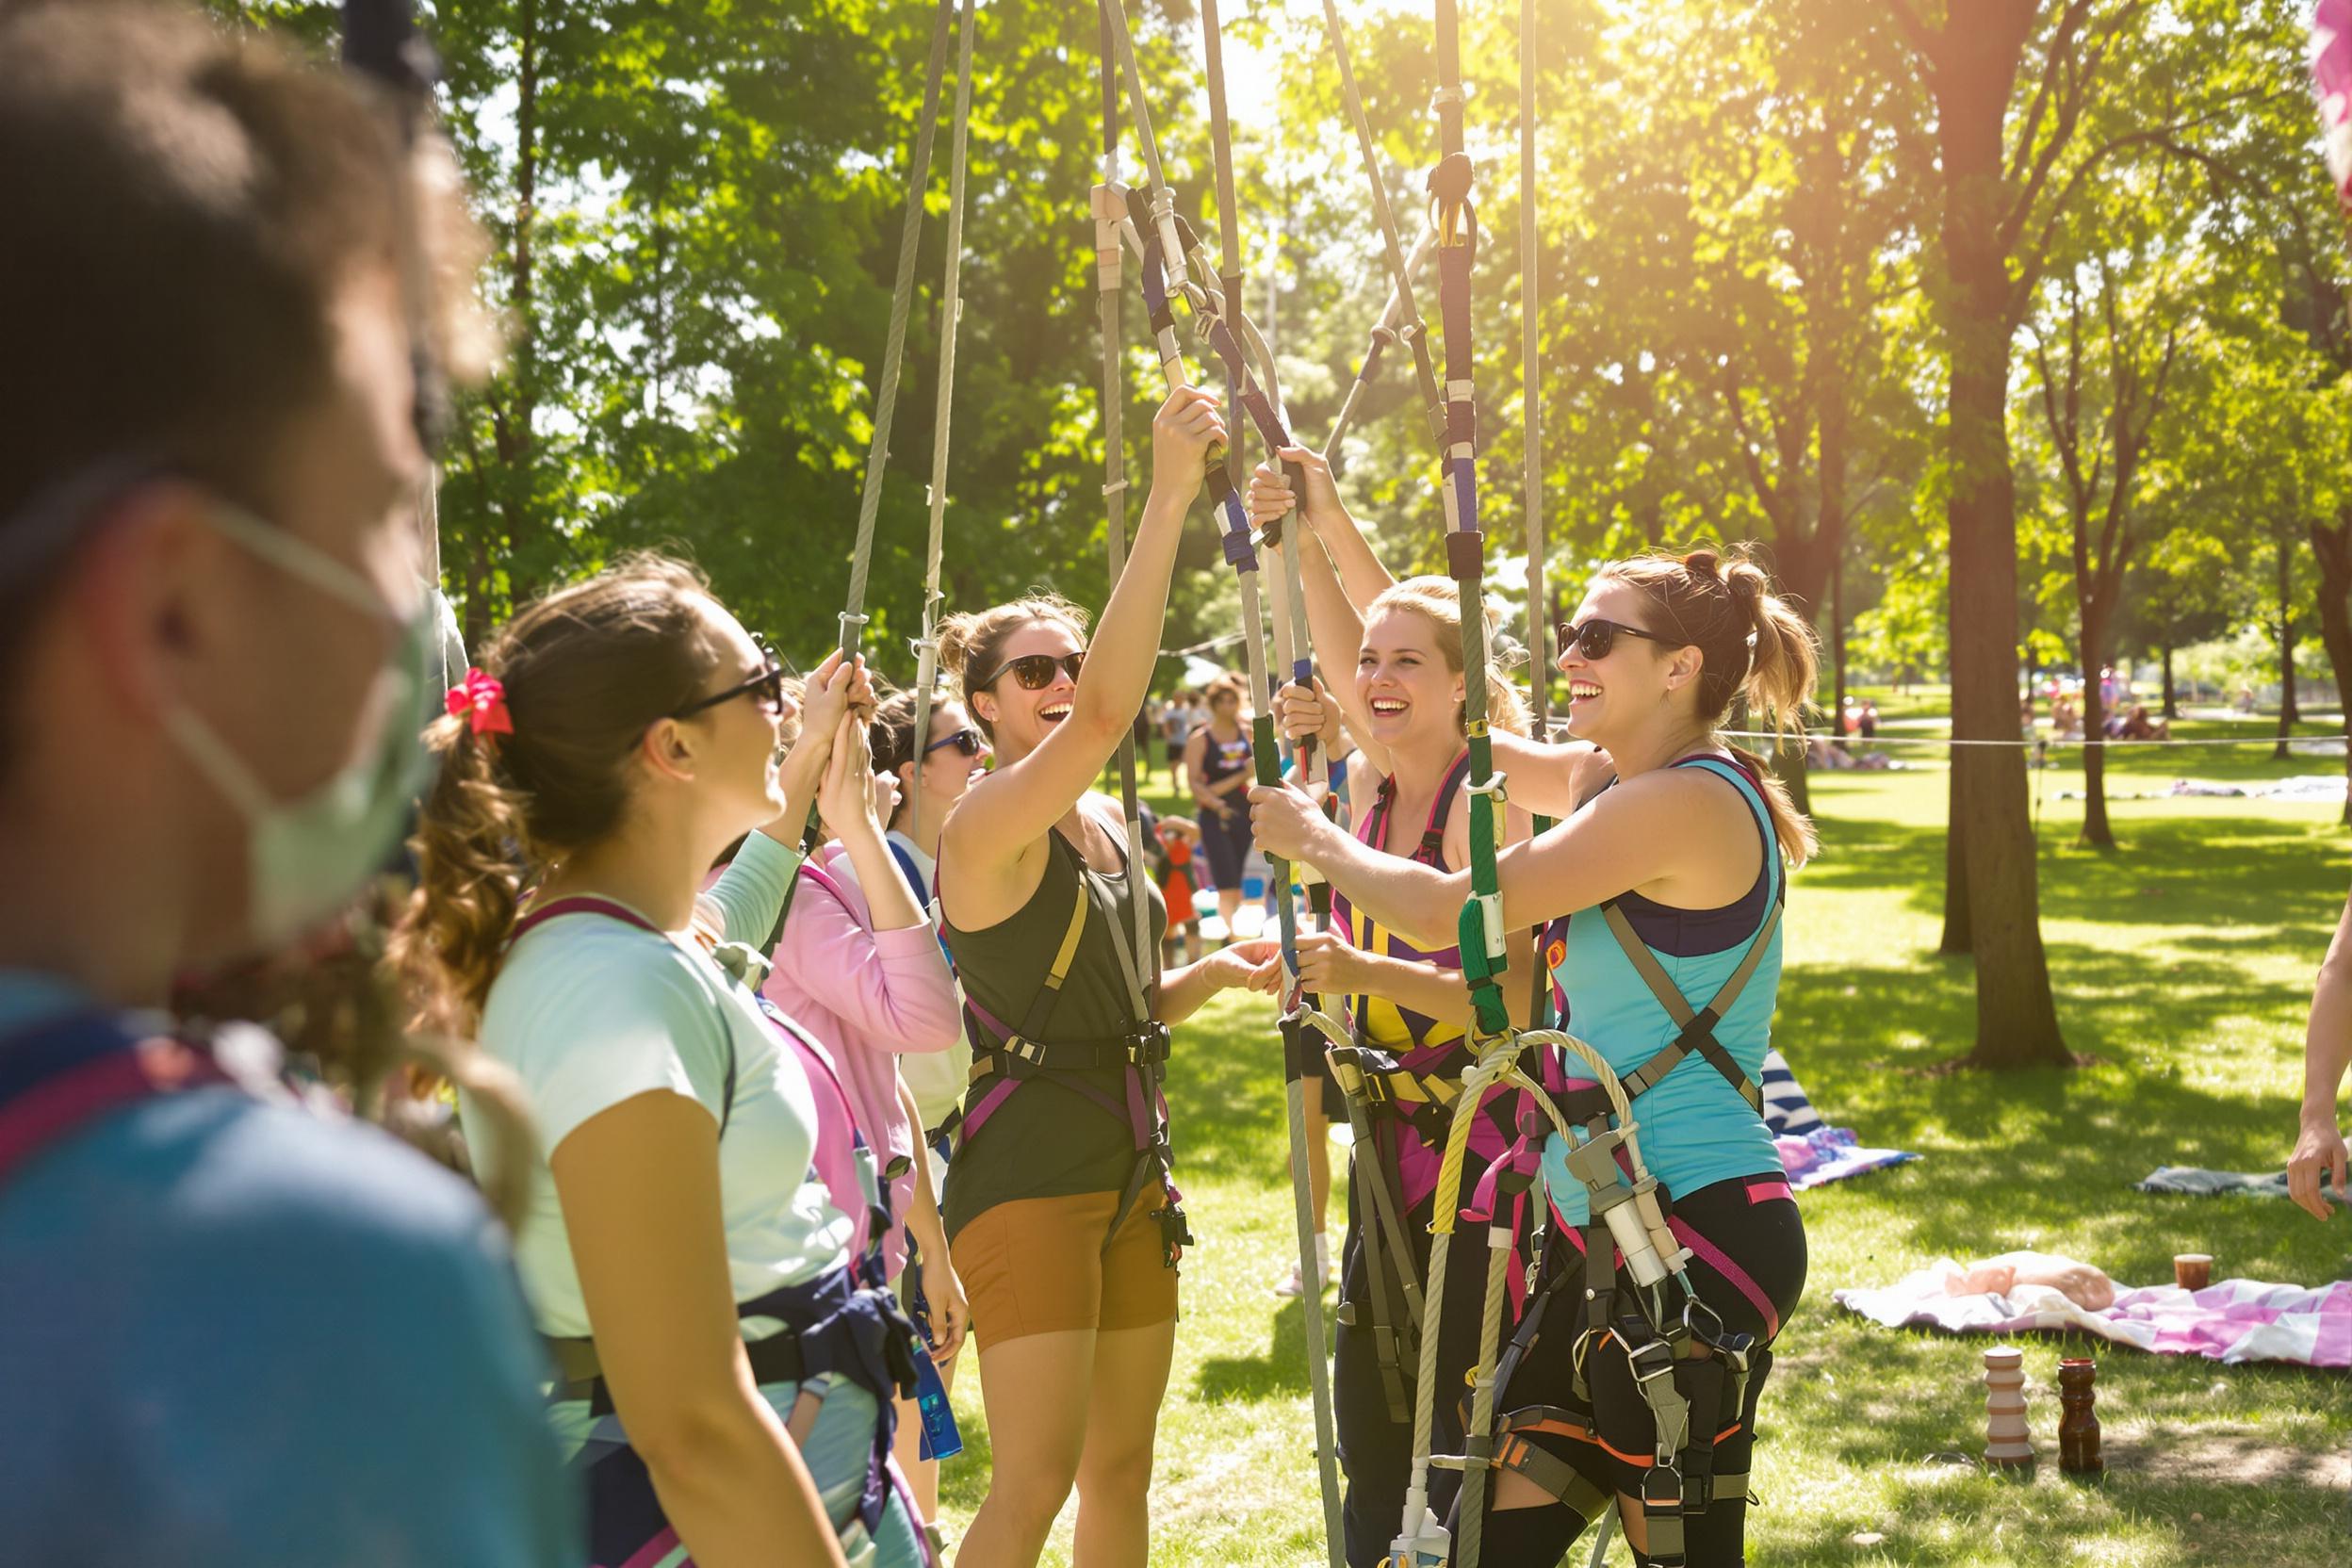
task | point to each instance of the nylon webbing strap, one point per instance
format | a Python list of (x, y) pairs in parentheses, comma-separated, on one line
[(886, 398), (1400, 275), (1387, 331), (1484, 955), (1670, 997), (951, 317)]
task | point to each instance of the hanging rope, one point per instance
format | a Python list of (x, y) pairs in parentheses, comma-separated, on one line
[(1389, 329), (1410, 327), (951, 317), (1108, 205), (886, 404), (1531, 437)]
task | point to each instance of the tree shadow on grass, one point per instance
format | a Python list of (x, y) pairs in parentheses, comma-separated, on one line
[(2239, 872), (1280, 1373)]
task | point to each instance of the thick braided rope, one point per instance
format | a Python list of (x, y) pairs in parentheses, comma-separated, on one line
[(951, 317), (894, 345)]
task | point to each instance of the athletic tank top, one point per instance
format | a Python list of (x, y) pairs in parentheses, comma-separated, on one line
[(1380, 1022), (1045, 1140), (1695, 1128), (1222, 760)]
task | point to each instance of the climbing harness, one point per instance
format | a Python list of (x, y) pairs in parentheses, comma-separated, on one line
[(1006, 1057), (927, 648), (1387, 331), (853, 617)]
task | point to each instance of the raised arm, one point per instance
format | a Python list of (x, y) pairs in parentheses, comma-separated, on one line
[(1334, 613), (1003, 816)]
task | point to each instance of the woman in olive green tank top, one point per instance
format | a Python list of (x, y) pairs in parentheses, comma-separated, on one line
[(1058, 1201)]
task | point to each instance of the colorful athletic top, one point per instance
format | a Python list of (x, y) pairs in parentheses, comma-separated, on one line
[(1222, 760), (1380, 1022), (1427, 1047), (1695, 1128)]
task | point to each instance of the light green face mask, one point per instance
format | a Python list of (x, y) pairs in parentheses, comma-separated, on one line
[(307, 857)]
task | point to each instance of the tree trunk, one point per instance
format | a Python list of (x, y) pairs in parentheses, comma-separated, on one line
[(2288, 712), (2096, 831), (2017, 1020), (2332, 544), (1838, 641), (2172, 700)]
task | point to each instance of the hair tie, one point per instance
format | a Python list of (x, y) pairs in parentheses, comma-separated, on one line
[(482, 701)]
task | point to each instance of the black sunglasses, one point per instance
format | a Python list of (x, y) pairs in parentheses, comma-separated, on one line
[(965, 741), (766, 683), (1035, 671), (1596, 639)]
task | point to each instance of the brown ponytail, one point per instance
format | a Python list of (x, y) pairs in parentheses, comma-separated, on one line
[(585, 671), (1752, 647)]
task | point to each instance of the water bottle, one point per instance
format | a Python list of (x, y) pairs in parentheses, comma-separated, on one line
[(941, 1439)]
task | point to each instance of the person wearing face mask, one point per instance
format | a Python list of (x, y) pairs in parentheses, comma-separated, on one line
[(1060, 1208), (1669, 881), (231, 1330), (725, 1376)]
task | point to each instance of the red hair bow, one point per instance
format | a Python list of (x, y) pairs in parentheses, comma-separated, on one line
[(484, 698)]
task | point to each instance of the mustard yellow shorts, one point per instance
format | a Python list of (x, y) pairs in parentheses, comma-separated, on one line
[(1036, 1266)]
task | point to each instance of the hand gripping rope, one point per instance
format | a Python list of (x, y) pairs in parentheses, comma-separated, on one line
[(951, 317), (893, 357)]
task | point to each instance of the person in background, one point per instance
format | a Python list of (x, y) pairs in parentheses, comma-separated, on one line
[(234, 1330), (2319, 1148), (2137, 725), (1175, 729), (1218, 758)]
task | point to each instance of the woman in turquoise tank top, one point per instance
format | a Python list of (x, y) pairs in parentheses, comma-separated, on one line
[(1666, 890)]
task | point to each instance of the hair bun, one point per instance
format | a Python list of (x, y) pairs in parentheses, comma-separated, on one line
[(1704, 562), (1747, 583)]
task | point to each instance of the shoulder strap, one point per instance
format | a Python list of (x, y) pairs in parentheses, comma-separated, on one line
[(58, 1078), (1698, 1028), (1441, 811), (584, 905)]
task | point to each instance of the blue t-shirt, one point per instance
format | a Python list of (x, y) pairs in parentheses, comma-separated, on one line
[(234, 1333)]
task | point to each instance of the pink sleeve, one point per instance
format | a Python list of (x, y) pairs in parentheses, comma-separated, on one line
[(892, 986)]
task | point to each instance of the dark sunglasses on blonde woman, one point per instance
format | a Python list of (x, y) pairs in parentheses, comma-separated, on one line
[(1596, 639), (1035, 671)]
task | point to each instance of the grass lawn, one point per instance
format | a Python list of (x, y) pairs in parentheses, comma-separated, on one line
[(2183, 964)]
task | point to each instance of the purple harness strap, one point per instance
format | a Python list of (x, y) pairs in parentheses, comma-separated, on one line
[(58, 1078)]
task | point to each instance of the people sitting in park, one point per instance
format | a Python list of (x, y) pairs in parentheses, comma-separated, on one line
[(2066, 719), (2137, 725)]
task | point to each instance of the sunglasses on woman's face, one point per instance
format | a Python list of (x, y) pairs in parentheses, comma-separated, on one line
[(1596, 639), (964, 741), (1035, 671), (765, 684)]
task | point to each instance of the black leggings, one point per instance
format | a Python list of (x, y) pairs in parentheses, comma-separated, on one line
[(1375, 1451), (1749, 1267)]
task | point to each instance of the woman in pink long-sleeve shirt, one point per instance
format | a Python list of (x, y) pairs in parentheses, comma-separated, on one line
[(861, 968)]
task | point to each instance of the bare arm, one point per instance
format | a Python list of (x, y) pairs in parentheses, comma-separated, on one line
[(1335, 615), (638, 1184), (2319, 1147), (1659, 833), (941, 1286), (1005, 816), (1186, 989)]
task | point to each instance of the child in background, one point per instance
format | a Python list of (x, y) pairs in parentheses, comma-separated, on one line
[(1180, 836)]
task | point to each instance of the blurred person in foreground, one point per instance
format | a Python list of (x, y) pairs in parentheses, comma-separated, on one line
[(232, 1330)]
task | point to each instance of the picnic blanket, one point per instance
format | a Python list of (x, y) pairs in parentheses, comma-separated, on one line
[(1831, 1155), (1811, 1152), (2230, 1320), (2206, 1184)]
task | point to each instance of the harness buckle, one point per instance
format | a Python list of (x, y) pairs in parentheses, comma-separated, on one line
[(1148, 1043)]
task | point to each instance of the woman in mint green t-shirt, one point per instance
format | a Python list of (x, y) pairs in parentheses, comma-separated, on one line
[(724, 1374)]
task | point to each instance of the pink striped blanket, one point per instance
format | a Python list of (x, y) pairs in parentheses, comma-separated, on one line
[(2230, 1320)]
